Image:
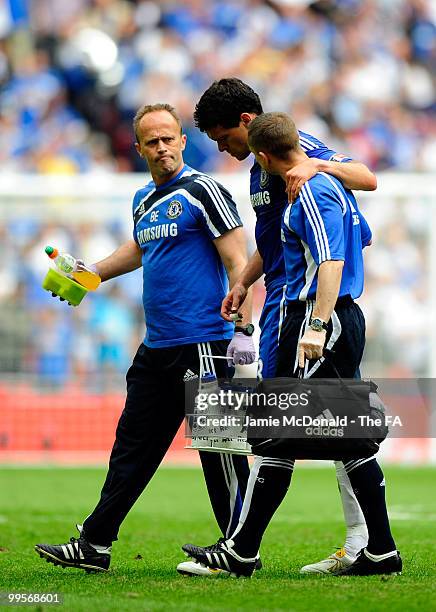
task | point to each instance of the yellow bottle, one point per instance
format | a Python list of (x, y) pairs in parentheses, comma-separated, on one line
[(87, 278), (68, 265)]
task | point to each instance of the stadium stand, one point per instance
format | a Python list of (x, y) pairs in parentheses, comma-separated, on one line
[(354, 72)]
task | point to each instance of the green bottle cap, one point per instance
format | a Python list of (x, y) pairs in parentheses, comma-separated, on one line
[(49, 250)]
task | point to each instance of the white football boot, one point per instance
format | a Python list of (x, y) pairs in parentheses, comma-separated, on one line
[(194, 568), (334, 564)]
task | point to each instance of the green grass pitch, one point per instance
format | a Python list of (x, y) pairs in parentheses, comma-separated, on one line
[(42, 505)]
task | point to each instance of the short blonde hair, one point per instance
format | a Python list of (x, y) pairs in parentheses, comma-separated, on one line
[(152, 108), (273, 133)]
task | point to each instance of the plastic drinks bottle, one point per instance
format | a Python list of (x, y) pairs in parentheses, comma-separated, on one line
[(68, 265)]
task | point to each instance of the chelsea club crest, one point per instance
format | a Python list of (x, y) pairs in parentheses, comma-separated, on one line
[(174, 210), (264, 176)]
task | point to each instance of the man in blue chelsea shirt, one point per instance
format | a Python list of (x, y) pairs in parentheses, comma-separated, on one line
[(224, 112), (189, 241)]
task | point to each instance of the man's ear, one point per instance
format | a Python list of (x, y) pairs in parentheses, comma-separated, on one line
[(246, 118), (138, 149), (183, 139), (266, 160)]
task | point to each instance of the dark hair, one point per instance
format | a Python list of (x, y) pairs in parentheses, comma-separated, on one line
[(224, 102), (273, 133), (152, 108)]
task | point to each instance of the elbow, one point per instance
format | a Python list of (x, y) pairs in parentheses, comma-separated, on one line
[(371, 182), (364, 181), (235, 265)]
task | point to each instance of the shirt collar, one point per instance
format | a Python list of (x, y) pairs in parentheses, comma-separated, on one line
[(173, 180)]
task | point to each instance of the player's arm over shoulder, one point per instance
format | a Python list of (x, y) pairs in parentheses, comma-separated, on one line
[(353, 174)]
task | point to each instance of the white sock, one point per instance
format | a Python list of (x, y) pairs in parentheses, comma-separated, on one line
[(356, 539), (357, 532), (377, 558), (101, 549)]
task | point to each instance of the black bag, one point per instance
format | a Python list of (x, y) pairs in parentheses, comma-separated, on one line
[(354, 412)]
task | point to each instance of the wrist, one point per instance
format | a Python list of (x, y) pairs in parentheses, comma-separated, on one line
[(322, 165), (322, 317), (246, 330), (242, 285), (317, 324)]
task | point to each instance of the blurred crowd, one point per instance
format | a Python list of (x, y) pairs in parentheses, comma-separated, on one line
[(46, 341), (356, 73), (397, 295)]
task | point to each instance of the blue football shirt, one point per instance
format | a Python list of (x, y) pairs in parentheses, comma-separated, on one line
[(184, 279), (269, 199), (323, 224)]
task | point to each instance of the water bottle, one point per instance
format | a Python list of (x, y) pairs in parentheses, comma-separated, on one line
[(67, 264)]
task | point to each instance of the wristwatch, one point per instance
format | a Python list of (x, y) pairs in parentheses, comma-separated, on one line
[(247, 330), (318, 325)]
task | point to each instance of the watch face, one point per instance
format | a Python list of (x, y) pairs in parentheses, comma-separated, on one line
[(316, 325), (249, 330)]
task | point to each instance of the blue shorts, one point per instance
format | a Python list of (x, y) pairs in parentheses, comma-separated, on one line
[(270, 324)]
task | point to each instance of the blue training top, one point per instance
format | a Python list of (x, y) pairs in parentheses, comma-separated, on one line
[(184, 279)]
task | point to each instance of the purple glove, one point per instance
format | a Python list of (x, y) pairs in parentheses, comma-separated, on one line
[(241, 350)]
